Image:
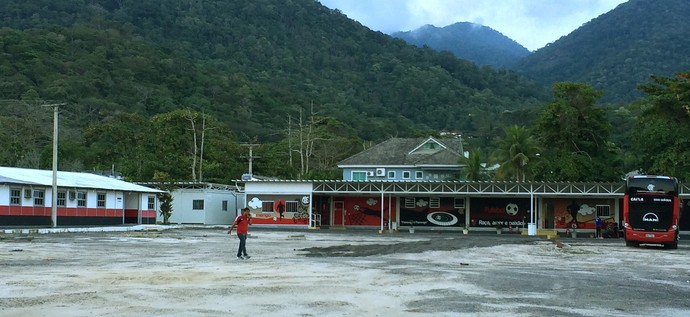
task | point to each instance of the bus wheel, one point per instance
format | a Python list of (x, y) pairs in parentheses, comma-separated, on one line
[(631, 243), (672, 245)]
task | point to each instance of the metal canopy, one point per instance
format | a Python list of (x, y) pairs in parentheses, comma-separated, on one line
[(487, 188)]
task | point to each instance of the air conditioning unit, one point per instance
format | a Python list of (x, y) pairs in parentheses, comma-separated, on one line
[(27, 193), (371, 173), (380, 171)]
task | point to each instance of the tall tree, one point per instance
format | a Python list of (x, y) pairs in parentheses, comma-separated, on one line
[(660, 138), (574, 132)]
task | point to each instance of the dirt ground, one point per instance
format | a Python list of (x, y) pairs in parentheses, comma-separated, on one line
[(194, 272)]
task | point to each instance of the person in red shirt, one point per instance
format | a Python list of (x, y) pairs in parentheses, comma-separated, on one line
[(242, 223)]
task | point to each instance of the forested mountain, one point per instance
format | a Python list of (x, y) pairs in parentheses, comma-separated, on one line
[(619, 50), (233, 69), (480, 44), (251, 63)]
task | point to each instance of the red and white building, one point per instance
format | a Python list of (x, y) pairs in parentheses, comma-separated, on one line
[(82, 199)]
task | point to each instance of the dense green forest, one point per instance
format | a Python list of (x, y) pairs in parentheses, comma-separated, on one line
[(176, 89), (618, 50)]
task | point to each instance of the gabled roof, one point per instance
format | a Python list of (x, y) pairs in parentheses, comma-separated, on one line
[(34, 177), (408, 151)]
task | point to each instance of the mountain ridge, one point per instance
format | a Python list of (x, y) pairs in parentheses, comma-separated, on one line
[(475, 42)]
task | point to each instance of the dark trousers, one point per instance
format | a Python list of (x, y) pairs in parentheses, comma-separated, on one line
[(243, 244)]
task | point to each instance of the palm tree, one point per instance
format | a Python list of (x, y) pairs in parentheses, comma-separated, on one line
[(474, 171), (515, 152)]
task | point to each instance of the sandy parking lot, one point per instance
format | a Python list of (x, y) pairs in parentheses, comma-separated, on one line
[(194, 272)]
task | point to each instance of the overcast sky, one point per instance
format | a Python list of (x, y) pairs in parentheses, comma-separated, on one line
[(532, 23)]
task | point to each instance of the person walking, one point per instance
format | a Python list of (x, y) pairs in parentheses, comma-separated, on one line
[(242, 223)]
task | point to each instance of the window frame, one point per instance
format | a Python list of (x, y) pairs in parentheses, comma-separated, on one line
[(198, 204), (81, 199), (100, 199), (357, 174), (151, 203), (267, 205), (603, 211), (15, 196), (61, 200), (39, 197)]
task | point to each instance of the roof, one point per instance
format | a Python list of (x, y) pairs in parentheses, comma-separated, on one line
[(407, 151), (35, 177)]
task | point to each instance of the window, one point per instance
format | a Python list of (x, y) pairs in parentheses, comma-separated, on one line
[(406, 175), (459, 203), (198, 204), (266, 206), (292, 206), (61, 199), (39, 197), (100, 200), (152, 203), (15, 196), (418, 174), (431, 146), (81, 199), (409, 202), (603, 211), (359, 176), (391, 174), (224, 205), (434, 202)]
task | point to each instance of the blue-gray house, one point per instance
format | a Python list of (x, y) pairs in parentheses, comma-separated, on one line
[(407, 159)]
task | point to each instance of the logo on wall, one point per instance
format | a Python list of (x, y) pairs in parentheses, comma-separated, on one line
[(441, 218), (512, 209), (305, 200)]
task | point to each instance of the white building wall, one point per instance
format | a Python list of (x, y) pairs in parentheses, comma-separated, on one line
[(214, 212), (4, 195), (182, 206), (278, 188)]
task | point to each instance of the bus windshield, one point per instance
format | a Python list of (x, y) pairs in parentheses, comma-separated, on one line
[(652, 184)]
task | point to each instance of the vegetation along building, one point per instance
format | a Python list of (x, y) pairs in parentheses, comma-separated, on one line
[(82, 199)]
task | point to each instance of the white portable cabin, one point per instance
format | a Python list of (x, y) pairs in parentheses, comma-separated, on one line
[(206, 203)]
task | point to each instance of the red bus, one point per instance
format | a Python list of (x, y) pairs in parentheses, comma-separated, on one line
[(651, 209)]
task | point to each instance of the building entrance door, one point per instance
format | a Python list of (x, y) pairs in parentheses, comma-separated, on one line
[(338, 213)]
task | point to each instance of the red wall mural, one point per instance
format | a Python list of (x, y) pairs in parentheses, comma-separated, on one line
[(432, 211), (362, 211), (580, 213), (506, 212), (279, 209)]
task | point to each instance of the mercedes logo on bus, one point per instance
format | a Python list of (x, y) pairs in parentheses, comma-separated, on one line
[(650, 217)]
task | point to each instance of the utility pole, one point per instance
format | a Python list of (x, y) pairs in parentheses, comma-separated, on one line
[(251, 157), (53, 214)]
